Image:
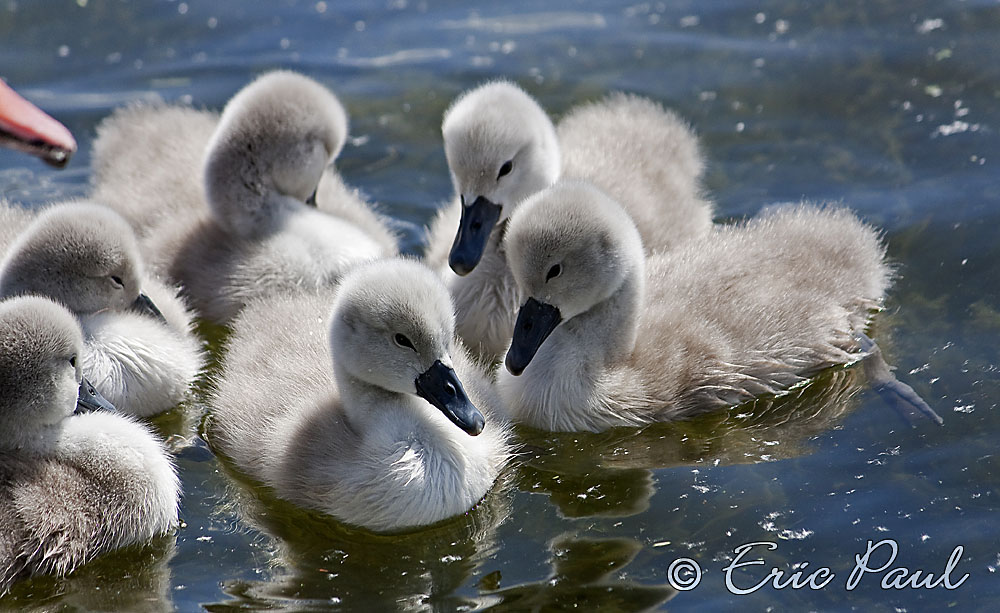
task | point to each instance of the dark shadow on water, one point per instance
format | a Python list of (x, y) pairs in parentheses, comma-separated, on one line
[(583, 577), (318, 563), (130, 579), (610, 474), (179, 426)]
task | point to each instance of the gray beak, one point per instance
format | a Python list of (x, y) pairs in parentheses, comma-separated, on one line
[(439, 385), (535, 321), (90, 399), (478, 220), (144, 305)]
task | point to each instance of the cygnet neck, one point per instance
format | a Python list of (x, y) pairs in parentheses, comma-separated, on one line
[(260, 215), (608, 330), (39, 439), (365, 404)]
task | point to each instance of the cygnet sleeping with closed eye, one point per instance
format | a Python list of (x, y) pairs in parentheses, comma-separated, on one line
[(273, 217), (609, 337), (502, 148), (372, 413), (73, 484), (140, 350)]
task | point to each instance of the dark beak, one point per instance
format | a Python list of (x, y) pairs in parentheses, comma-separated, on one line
[(143, 304), (90, 399), (535, 321), (474, 230), (24, 127), (440, 386), (311, 200)]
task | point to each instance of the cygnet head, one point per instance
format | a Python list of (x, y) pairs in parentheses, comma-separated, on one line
[(569, 248), (393, 328), (82, 255), (40, 378), (501, 148), (275, 138)]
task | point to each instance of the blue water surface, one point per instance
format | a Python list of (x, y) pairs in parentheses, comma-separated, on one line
[(890, 107)]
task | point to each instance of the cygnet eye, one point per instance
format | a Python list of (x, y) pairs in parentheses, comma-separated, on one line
[(554, 272), (402, 341), (72, 361), (505, 169), (117, 281)]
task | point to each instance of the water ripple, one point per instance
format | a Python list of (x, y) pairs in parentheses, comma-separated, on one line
[(406, 56), (529, 23)]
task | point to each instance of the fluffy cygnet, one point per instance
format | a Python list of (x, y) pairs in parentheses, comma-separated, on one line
[(372, 413), (608, 337), (244, 205), (147, 164), (73, 484), (502, 148), (139, 350)]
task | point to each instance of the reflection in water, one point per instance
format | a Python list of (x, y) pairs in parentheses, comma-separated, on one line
[(610, 473), (179, 426), (583, 578), (318, 562), (131, 579)]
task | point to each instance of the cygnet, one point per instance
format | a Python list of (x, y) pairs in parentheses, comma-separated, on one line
[(73, 484), (502, 148), (607, 336), (140, 350), (243, 205), (370, 411)]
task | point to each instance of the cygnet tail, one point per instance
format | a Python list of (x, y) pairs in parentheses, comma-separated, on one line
[(899, 396)]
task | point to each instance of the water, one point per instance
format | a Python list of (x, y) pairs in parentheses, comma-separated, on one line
[(889, 107)]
